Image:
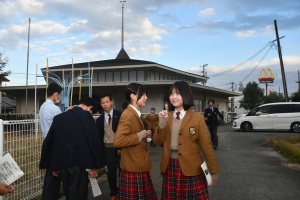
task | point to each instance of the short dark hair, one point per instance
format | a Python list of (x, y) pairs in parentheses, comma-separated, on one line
[(184, 89), (136, 89), (211, 101), (153, 109), (88, 101), (52, 88), (106, 95)]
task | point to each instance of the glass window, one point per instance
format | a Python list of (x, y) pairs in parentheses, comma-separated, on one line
[(117, 76), (140, 76), (101, 77), (95, 77), (132, 75), (156, 74), (152, 76), (263, 110), (109, 77), (125, 76), (161, 76), (296, 108), (281, 108)]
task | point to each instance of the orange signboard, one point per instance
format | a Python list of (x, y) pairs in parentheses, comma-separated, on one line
[(266, 78)]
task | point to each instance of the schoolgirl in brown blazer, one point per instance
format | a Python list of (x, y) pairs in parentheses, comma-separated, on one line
[(131, 136), (185, 140)]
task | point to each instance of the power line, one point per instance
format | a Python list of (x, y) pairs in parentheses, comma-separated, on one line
[(242, 63), (258, 62)]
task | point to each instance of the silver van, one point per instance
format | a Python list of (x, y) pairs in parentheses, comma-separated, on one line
[(276, 116)]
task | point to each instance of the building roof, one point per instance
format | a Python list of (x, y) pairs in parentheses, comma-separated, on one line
[(122, 62), (3, 78)]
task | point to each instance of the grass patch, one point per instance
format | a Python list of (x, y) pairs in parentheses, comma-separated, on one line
[(289, 147)]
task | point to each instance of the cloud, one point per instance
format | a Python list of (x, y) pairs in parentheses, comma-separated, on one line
[(248, 33), (207, 12)]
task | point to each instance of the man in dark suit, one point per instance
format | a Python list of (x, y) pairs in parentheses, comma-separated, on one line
[(212, 121), (72, 149), (107, 124)]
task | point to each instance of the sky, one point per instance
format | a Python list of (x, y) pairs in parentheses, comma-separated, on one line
[(233, 37)]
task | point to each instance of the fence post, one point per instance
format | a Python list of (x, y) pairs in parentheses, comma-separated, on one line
[(1, 143), (1, 137)]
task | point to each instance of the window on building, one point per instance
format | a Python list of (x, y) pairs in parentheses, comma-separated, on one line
[(117, 76), (101, 76), (109, 77), (95, 77), (140, 76), (156, 76), (152, 78), (124, 76), (132, 75)]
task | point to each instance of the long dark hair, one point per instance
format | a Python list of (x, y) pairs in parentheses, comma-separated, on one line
[(136, 89), (184, 89)]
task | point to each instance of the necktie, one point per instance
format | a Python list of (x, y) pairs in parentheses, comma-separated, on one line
[(177, 115), (109, 118), (212, 109)]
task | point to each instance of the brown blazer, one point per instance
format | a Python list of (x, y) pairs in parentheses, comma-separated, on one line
[(151, 122), (135, 156), (192, 135)]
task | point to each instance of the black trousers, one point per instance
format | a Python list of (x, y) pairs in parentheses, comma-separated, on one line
[(51, 186), (213, 129), (75, 183), (112, 164)]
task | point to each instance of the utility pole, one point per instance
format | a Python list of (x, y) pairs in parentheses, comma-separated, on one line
[(281, 63), (232, 83), (27, 64), (298, 82), (122, 24), (203, 70)]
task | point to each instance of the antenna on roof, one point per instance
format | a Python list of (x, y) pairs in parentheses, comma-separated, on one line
[(122, 43)]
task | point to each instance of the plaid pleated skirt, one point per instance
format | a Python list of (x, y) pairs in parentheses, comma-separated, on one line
[(177, 186), (136, 186)]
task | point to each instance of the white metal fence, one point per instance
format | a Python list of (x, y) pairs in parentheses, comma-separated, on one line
[(23, 140)]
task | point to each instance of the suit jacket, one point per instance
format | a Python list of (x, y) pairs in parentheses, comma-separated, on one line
[(115, 121), (192, 135), (212, 118), (135, 156), (73, 140), (151, 122)]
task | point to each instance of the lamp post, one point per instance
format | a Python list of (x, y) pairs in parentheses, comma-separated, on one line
[(27, 64)]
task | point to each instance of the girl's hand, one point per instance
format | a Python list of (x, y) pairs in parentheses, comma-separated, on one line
[(163, 114), (214, 179)]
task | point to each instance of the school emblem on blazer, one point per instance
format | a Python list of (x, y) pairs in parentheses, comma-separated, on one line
[(192, 130)]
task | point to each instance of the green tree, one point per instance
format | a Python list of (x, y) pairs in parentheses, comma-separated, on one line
[(253, 96), (295, 97), (274, 97), (3, 63)]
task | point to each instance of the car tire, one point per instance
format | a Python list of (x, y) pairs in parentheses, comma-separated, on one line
[(247, 127), (295, 127)]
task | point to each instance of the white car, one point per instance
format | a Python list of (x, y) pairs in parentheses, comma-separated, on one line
[(276, 116)]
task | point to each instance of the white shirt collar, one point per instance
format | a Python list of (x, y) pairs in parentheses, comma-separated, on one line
[(136, 110), (106, 114), (182, 113)]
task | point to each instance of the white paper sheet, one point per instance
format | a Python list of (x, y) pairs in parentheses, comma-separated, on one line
[(206, 172), (95, 187), (9, 170)]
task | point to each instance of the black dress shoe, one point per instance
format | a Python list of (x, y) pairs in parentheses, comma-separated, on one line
[(215, 147)]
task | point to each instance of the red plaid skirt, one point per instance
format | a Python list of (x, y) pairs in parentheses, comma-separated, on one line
[(177, 186), (136, 186)]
